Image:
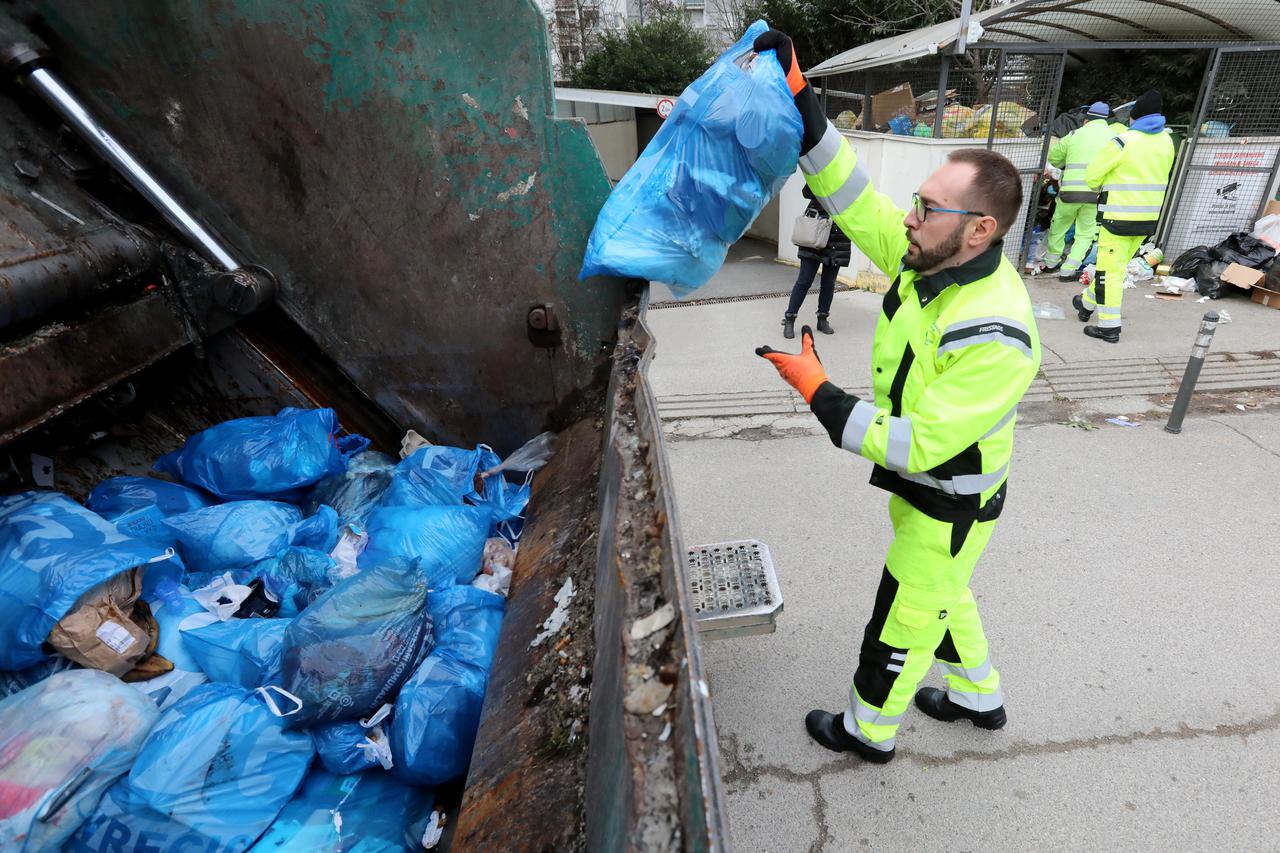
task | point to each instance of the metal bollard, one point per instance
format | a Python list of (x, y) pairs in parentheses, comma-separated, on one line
[(1201, 348)]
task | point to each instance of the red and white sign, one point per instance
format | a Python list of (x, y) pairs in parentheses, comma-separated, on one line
[(665, 106)]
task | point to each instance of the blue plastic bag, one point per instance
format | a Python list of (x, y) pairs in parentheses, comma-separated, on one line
[(448, 540), (12, 682), (348, 653), (442, 476), (174, 610), (355, 492), (138, 505), (433, 727), (271, 457), (367, 813), (354, 745), (62, 743), (728, 146), (52, 550), (238, 534), (245, 652), (212, 775)]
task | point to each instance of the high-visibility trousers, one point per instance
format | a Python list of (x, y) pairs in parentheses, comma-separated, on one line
[(1107, 288), (1085, 219), (924, 611)]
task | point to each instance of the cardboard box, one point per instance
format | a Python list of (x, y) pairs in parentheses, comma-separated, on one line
[(1269, 298), (1273, 206), (1241, 276), (892, 102)]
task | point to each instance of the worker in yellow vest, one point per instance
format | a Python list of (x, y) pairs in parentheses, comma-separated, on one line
[(1077, 204), (1132, 173)]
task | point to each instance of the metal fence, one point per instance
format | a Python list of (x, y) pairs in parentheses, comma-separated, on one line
[(1227, 167)]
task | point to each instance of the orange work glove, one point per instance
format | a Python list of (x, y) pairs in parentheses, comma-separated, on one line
[(803, 372)]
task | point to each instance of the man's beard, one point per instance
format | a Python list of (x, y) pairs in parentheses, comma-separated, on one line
[(928, 259)]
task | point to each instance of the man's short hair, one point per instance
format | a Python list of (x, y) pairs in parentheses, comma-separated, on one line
[(996, 188)]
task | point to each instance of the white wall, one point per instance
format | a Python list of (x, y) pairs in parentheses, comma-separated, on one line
[(616, 145), (898, 165), (766, 225)]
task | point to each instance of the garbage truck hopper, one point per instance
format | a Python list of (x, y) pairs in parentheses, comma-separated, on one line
[(215, 210)]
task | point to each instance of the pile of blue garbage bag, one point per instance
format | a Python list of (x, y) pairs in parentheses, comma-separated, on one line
[(322, 651)]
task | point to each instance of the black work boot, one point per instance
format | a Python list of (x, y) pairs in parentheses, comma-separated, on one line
[(1077, 302), (788, 326), (828, 730), (1111, 336), (824, 326), (935, 703)]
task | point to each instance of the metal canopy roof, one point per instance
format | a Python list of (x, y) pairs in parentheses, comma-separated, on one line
[(1077, 24)]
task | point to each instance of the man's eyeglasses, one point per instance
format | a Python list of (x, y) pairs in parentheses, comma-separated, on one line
[(923, 210)]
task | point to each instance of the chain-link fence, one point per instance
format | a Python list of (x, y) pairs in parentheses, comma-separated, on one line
[(1227, 167), (1026, 99)]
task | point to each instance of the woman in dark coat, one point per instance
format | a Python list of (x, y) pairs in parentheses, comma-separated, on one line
[(830, 257)]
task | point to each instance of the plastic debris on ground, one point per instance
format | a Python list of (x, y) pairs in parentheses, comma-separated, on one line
[(726, 149), (213, 774), (1121, 420), (433, 727), (553, 623), (271, 457), (52, 551), (62, 742), (348, 653), (364, 813), (1048, 311)]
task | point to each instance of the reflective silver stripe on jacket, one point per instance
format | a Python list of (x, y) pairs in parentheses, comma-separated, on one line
[(1000, 424), (1129, 208), (1137, 188), (855, 428), (838, 202), (964, 484), (898, 451), (995, 333), (821, 155), (871, 716)]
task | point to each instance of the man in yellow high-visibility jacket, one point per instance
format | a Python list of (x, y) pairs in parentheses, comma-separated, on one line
[(955, 348), (1132, 174), (1077, 204)]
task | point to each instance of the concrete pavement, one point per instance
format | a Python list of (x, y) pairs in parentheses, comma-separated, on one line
[(1129, 595)]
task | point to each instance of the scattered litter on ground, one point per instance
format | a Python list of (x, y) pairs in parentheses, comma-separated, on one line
[(655, 621), (1048, 311), (556, 620), (1223, 317), (1121, 420), (1076, 422)]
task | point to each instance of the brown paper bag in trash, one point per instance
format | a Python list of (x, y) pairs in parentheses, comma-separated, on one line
[(99, 632), (152, 665)]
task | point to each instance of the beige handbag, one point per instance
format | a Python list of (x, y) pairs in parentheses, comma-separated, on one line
[(811, 230)]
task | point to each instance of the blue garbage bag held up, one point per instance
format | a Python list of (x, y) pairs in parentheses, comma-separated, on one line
[(240, 533), (212, 775), (448, 540), (348, 653), (433, 727), (728, 146), (62, 743), (138, 505), (245, 652), (355, 492), (365, 813), (52, 550), (276, 457)]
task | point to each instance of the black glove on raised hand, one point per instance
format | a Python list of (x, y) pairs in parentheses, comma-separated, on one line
[(811, 114)]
